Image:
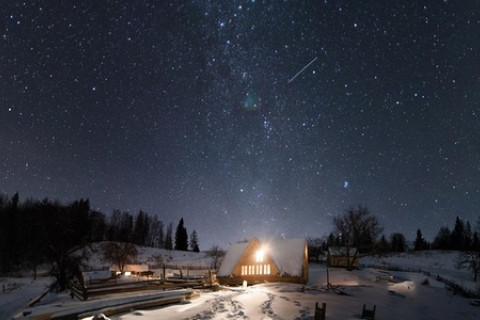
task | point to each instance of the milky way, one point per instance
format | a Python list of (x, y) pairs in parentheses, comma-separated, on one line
[(246, 118)]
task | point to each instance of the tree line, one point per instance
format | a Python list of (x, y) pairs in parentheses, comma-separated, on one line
[(360, 233), (37, 232)]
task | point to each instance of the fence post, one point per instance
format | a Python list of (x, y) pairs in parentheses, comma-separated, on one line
[(84, 293)]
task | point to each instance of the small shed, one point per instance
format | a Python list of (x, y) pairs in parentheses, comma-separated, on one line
[(342, 257), (284, 260), (136, 269)]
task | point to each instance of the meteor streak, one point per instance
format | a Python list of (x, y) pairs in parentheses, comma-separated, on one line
[(302, 70)]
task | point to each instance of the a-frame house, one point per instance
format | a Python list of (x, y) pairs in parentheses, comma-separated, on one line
[(283, 260)]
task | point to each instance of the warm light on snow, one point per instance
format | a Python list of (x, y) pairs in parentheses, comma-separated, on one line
[(396, 295), (259, 256)]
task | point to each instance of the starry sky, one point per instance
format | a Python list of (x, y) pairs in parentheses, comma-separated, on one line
[(246, 118)]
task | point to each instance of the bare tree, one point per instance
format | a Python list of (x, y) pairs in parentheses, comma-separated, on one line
[(216, 253), (359, 231), (470, 260), (119, 253)]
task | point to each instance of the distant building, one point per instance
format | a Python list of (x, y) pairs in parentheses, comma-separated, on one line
[(272, 261), (342, 257), (134, 269)]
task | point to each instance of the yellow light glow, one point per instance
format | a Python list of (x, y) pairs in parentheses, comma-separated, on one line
[(259, 256), (127, 273)]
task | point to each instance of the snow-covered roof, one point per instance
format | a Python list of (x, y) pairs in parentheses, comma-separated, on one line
[(341, 251), (234, 253), (287, 254)]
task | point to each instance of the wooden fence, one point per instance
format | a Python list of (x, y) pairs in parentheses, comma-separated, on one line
[(110, 286), (451, 285)]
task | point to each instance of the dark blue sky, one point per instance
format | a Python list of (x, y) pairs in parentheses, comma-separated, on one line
[(193, 109)]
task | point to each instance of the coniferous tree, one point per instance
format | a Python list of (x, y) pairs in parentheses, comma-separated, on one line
[(457, 237), (161, 235), (442, 240), (113, 228), (9, 235), (331, 240), (467, 237), (99, 227), (140, 229), (475, 242), (314, 246), (155, 236), (383, 246), (181, 237), (397, 242), (194, 241), (125, 227), (420, 243), (168, 237)]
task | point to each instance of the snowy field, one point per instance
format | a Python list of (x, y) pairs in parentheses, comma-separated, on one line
[(406, 299), (405, 296)]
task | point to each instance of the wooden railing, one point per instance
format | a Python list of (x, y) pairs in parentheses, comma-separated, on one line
[(96, 288)]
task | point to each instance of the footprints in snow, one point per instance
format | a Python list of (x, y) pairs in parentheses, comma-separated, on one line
[(304, 312), (231, 309)]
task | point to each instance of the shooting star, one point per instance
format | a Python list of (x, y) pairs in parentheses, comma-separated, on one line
[(303, 69)]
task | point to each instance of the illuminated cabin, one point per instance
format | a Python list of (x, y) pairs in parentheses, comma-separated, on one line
[(272, 261)]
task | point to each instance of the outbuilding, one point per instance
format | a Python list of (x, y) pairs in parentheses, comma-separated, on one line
[(133, 269), (342, 257)]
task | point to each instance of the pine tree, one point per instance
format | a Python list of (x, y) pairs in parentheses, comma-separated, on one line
[(457, 237), (160, 235), (419, 241), (331, 240), (168, 237), (467, 237), (443, 239), (383, 245), (397, 242), (475, 242), (194, 241), (181, 237), (140, 229)]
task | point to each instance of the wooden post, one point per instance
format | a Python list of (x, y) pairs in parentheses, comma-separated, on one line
[(328, 279), (320, 312), (84, 293), (369, 314)]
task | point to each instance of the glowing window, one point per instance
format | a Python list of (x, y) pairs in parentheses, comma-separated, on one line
[(256, 269), (259, 256)]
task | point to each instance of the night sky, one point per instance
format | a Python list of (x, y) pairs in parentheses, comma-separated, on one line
[(246, 118)]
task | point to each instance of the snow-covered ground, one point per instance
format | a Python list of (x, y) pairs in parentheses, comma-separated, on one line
[(18, 293), (408, 296), (405, 299)]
